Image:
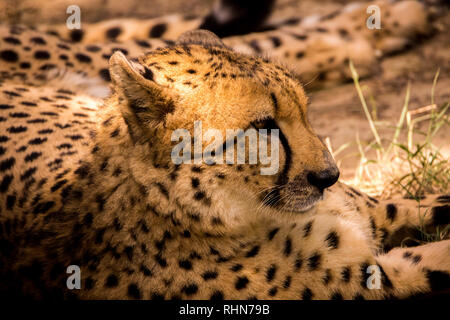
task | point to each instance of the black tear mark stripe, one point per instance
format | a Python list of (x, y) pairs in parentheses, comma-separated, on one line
[(272, 198), (274, 100)]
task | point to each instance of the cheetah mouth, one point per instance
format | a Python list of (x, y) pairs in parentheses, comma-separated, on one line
[(302, 205), (297, 203)]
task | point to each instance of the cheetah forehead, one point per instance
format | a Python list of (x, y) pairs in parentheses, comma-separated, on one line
[(208, 63)]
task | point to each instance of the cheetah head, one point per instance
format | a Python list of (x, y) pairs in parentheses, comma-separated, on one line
[(199, 79)]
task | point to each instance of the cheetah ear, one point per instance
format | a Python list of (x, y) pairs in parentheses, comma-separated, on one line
[(201, 37), (147, 103)]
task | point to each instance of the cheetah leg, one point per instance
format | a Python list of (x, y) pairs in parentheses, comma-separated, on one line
[(353, 270), (404, 222), (394, 222), (425, 268)]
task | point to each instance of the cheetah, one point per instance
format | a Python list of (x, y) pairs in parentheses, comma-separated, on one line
[(90, 182), (316, 49)]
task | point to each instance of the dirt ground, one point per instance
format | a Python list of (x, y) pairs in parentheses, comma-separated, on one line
[(334, 112), (337, 112)]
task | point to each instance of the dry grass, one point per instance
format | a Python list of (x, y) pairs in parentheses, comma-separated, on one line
[(408, 163)]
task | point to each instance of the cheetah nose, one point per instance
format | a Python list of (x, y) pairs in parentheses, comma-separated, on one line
[(323, 179)]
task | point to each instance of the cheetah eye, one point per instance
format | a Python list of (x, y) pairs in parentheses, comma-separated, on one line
[(267, 123)]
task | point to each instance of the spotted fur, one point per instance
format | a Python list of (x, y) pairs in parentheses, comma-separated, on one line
[(316, 49), (89, 182)]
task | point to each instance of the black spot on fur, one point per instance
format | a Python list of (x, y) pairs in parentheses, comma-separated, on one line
[(241, 283), (270, 275), (157, 30), (441, 215), (25, 65), (133, 291), (156, 296), (217, 295), (12, 40), (287, 282), (255, 46), (307, 229), (104, 74), (9, 56), (209, 275), (298, 262), (6, 106), (337, 296), (314, 261), (327, 277), (115, 133), (373, 226), (385, 279), (287, 247), (7, 164), (41, 55), (143, 43), (195, 182), (300, 54), (272, 233), (199, 195), (190, 289), (113, 33), (10, 201), (43, 207), (438, 280), (58, 185), (391, 211), (307, 294), (161, 261), (93, 48), (416, 259), (236, 267), (163, 190), (19, 115), (83, 58), (253, 252), (18, 129), (148, 74), (407, 254), (82, 171), (28, 173), (33, 156), (76, 35), (275, 41), (346, 274), (332, 240), (124, 51), (196, 169), (273, 291), (37, 141), (185, 264)]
